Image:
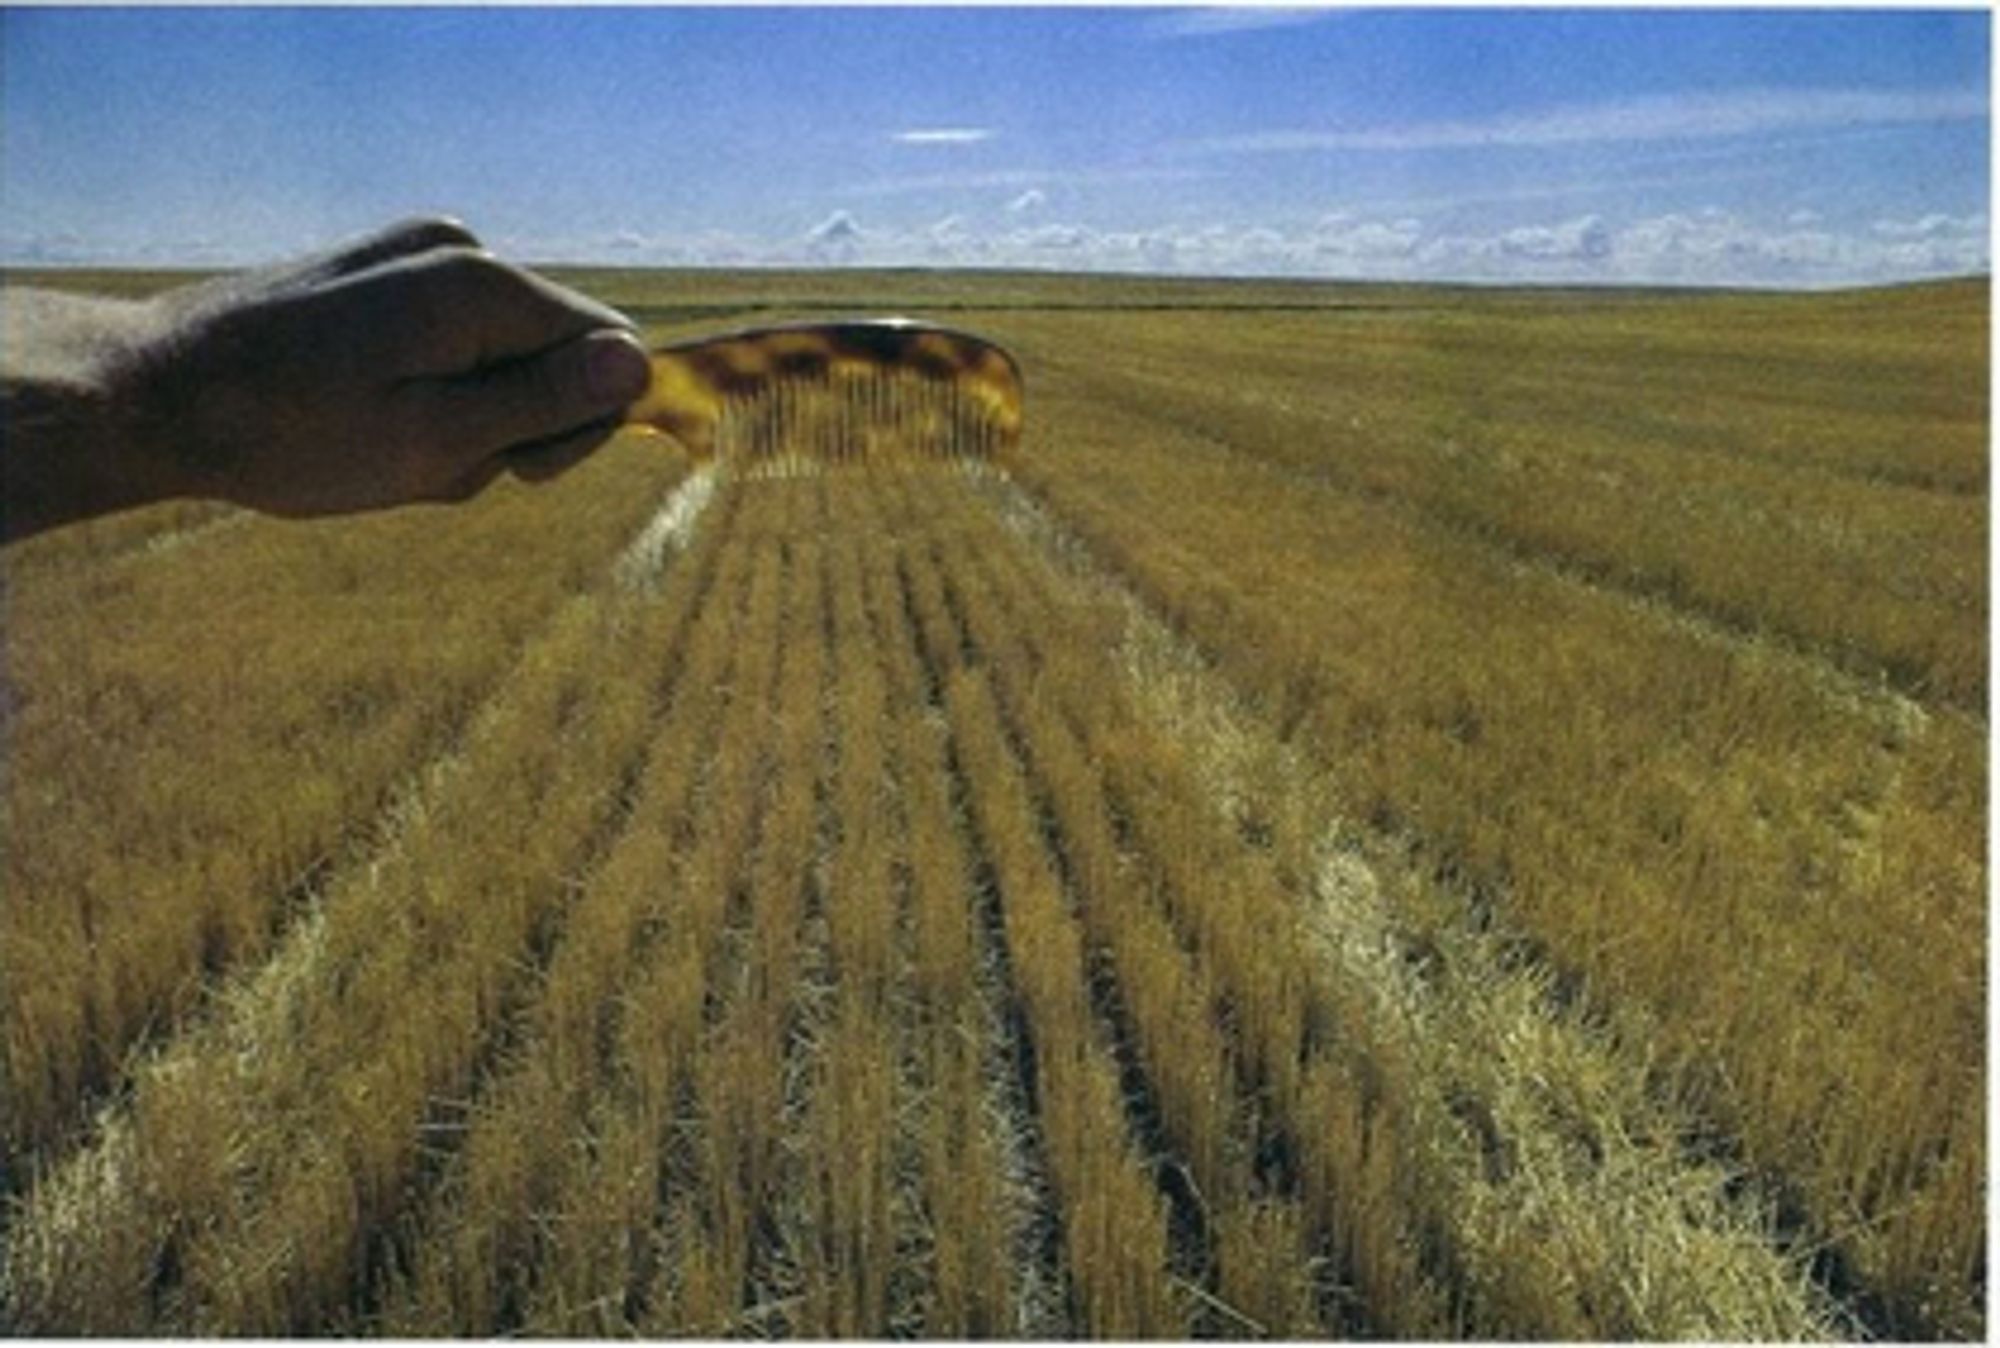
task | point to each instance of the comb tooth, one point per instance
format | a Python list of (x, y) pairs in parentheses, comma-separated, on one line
[(805, 423), (829, 419), (851, 420), (871, 384), (891, 393), (828, 397), (869, 430), (788, 429), (786, 425), (892, 420), (814, 394), (895, 409), (780, 423), (812, 399), (799, 406)]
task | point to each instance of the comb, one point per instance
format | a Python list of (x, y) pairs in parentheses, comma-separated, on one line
[(801, 395)]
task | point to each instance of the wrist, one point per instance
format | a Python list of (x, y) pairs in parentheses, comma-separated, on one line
[(79, 436)]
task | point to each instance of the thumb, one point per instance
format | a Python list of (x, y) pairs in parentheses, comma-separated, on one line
[(566, 386)]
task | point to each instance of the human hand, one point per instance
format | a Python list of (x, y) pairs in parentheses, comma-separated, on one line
[(411, 366)]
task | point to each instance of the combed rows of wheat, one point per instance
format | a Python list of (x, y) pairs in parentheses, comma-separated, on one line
[(830, 936)]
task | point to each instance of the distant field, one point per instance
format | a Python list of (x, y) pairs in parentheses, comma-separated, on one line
[(1400, 811)]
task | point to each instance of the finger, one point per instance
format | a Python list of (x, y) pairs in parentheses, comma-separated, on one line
[(306, 275), (474, 479), (451, 310), (549, 459), (554, 393), (420, 234)]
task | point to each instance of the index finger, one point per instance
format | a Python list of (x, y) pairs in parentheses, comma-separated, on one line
[(453, 311)]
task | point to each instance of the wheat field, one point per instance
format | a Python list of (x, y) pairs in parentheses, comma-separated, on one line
[(1397, 813)]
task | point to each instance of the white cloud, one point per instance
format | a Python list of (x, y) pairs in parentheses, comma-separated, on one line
[(1029, 200), (950, 242), (1688, 117), (1340, 237), (1070, 239), (943, 135), (1584, 239), (1219, 20), (838, 239), (1933, 226), (840, 227)]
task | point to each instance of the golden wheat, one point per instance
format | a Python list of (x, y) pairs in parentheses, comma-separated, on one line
[(1651, 793), (364, 650), (1424, 823)]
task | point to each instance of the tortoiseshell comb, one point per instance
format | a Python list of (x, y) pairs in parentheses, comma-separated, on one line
[(852, 390)]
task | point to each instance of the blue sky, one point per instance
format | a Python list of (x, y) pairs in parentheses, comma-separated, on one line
[(1791, 147)]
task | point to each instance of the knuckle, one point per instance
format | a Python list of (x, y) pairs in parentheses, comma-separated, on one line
[(404, 240), (463, 264), (422, 233)]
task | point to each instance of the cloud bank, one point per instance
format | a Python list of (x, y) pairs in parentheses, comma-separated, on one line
[(1794, 248)]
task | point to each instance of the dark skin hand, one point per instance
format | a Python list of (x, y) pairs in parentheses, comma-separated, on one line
[(411, 366)]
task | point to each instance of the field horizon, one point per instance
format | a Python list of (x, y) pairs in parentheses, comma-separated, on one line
[(1401, 810), (1055, 285)]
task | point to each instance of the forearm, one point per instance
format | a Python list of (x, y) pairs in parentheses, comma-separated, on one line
[(72, 440)]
